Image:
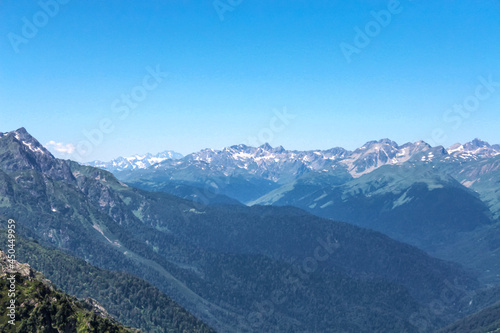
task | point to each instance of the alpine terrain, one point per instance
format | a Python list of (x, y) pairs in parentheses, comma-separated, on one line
[(234, 267), (443, 200)]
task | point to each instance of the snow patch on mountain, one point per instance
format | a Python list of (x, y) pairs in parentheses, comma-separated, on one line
[(281, 165), (136, 162), (28, 141), (474, 150), (375, 154)]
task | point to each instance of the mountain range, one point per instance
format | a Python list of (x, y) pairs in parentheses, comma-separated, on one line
[(280, 165), (237, 268), (136, 161), (436, 198), (247, 174)]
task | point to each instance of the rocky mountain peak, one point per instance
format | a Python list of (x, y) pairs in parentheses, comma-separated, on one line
[(475, 144), (279, 150), (389, 142), (266, 146), (474, 149), (27, 140), (19, 152)]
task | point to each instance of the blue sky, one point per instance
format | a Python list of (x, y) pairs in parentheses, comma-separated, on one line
[(224, 82)]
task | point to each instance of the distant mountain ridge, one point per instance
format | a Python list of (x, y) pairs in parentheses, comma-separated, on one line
[(277, 162), (136, 161), (270, 167)]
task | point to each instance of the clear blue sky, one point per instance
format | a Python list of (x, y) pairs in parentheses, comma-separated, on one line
[(227, 78)]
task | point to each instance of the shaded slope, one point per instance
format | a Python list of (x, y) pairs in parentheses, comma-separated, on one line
[(485, 321), (40, 307), (129, 299)]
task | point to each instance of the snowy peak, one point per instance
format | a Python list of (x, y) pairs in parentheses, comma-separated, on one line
[(279, 165), (374, 147), (375, 154), (431, 155), (476, 144), (136, 161), (410, 149), (20, 151), (274, 164), (266, 146), (29, 142), (143, 161), (265, 154), (474, 150)]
